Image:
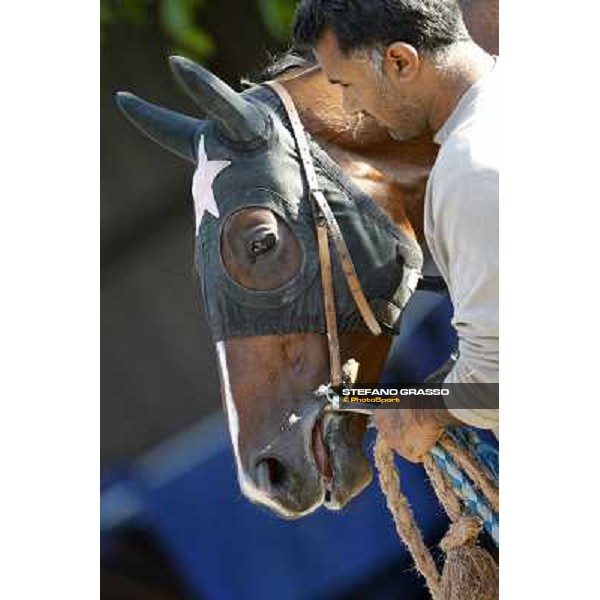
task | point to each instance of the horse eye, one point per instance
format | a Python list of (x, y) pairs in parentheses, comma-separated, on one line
[(262, 245)]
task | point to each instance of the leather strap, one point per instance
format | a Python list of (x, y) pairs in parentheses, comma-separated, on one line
[(327, 225), (334, 229), (352, 279), (333, 342)]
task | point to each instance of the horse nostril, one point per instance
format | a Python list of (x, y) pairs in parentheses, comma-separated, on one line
[(270, 471)]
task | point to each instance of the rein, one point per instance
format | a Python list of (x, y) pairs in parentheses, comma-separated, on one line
[(327, 228)]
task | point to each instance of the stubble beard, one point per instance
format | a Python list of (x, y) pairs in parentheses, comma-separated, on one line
[(406, 119)]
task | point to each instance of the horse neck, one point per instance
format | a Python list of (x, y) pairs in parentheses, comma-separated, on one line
[(394, 174)]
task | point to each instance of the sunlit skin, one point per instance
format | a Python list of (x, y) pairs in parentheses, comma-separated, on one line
[(404, 90), (410, 96), (393, 97)]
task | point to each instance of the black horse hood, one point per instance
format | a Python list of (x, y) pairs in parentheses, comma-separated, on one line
[(247, 156)]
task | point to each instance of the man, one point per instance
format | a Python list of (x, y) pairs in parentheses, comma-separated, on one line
[(412, 65)]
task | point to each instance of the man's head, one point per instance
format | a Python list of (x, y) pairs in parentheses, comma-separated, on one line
[(386, 54)]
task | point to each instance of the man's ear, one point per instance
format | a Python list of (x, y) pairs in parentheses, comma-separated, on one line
[(401, 62)]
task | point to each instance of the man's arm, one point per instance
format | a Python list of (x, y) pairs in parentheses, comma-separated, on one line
[(467, 236)]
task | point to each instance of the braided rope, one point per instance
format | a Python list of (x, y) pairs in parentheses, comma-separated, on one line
[(469, 573), (474, 502), (443, 488), (451, 487), (485, 455), (406, 526), (467, 463), (467, 510)]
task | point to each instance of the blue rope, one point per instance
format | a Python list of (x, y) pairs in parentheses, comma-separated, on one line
[(474, 502), (485, 453)]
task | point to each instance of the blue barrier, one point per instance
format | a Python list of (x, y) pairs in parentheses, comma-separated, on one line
[(225, 548)]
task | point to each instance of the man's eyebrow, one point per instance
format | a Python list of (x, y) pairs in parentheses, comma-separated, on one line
[(334, 81)]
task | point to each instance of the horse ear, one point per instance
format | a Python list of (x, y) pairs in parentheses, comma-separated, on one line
[(175, 132), (240, 120)]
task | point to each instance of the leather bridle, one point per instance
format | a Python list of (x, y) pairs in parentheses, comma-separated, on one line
[(327, 228)]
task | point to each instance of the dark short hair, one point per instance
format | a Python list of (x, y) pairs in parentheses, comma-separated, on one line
[(427, 25)]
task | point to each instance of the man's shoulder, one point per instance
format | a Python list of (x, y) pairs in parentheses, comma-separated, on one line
[(469, 157), (471, 150), (465, 172), (465, 178)]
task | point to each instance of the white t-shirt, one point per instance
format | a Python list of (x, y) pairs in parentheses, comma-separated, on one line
[(461, 229)]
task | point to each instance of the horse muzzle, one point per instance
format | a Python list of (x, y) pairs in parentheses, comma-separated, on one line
[(343, 439), (330, 471)]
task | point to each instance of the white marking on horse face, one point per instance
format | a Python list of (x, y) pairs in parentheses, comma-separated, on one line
[(246, 484), (293, 418)]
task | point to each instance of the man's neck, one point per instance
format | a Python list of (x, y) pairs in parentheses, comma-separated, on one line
[(467, 65)]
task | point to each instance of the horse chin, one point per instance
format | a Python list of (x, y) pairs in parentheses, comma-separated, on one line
[(343, 437)]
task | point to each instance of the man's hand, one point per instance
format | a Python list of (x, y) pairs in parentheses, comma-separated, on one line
[(412, 432)]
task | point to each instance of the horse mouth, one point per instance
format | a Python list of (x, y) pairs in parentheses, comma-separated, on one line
[(337, 445), (321, 452)]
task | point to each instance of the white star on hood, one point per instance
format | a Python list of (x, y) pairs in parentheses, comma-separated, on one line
[(206, 172)]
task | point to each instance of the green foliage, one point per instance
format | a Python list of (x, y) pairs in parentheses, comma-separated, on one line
[(134, 12), (179, 20), (277, 15)]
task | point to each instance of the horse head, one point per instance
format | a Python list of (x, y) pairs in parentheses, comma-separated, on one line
[(259, 265)]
